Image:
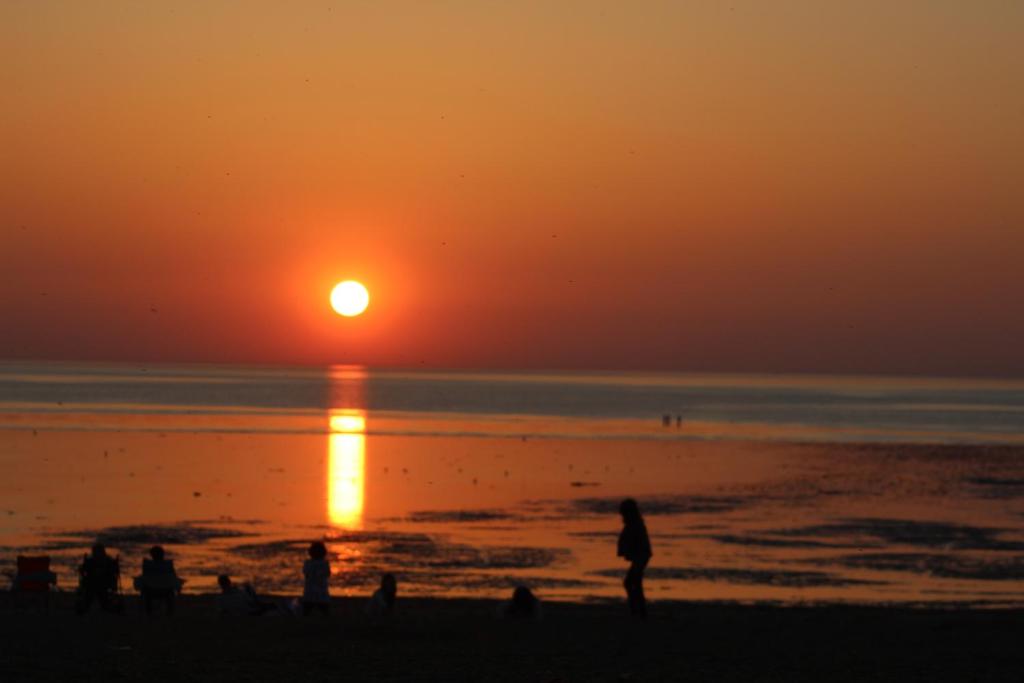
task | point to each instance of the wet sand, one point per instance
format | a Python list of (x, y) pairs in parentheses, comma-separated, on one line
[(471, 518), (461, 640)]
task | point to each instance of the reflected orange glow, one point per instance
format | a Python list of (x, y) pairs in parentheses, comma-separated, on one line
[(346, 468)]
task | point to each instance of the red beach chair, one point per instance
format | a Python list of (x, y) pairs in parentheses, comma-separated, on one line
[(34, 578)]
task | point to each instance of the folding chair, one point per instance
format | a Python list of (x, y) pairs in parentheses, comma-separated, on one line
[(33, 579)]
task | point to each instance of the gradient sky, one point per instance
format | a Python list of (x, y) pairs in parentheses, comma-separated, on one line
[(735, 186)]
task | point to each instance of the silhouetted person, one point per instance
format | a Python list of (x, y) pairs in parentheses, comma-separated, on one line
[(679, 421), (666, 420), (317, 570), (240, 600), (382, 602), (635, 546), (98, 581), (158, 581), (523, 605)]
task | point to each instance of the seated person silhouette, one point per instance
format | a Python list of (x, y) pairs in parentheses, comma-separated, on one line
[(158, 580), (240, 600), (317, 571), (523, 605), (382, 602), (97, 580)]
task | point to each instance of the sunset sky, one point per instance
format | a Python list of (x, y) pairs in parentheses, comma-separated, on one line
[(704, 186)]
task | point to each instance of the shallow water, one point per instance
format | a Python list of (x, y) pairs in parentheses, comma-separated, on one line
[(463, 503)]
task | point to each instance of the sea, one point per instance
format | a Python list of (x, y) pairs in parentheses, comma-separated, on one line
[(794, 489)]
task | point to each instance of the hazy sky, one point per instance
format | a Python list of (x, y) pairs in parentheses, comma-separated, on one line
[(771, 186)]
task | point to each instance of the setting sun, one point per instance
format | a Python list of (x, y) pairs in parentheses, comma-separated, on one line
[(349, 298)]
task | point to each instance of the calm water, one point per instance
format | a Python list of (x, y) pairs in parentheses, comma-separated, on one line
[(770, 488)]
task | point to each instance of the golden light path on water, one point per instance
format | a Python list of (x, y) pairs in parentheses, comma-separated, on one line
[(346, 468)]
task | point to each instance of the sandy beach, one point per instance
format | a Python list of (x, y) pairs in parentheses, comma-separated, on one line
[(461, 640)]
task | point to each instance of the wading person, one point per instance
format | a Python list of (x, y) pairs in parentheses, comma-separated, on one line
[(635, 547)]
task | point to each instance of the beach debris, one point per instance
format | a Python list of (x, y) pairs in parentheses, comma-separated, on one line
[(196, 494)]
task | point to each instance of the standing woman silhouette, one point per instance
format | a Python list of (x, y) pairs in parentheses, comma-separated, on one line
[(634, 546)]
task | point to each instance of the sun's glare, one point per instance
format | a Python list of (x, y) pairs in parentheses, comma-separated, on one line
[(349, 298), (346, 468)]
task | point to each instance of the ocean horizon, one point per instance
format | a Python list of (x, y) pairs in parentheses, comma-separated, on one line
[(606, 404)]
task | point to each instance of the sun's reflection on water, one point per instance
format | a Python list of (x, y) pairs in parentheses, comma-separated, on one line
[(346, 467)]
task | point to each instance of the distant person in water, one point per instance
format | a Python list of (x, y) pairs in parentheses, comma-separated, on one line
[(666, 420), (523, 605), (317, 570), (158, 581), (97, 580), (635, 547), (235, 600), (382, 602)]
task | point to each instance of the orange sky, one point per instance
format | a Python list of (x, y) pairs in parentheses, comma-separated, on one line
[(693, 186)]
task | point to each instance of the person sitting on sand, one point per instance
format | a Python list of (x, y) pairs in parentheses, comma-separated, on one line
[(315, 595), (97, 580), (241, 600), (523, 605), (634, 546), (382, 602), (158, 581)]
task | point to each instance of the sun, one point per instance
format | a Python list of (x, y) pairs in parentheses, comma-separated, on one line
[(349, 298)]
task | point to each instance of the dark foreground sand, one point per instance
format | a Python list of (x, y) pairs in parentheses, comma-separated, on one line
[(455, 640)]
